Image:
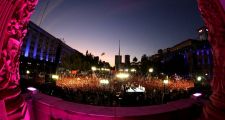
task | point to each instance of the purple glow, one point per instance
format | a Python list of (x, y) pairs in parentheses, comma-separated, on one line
[(207, 52), (197, 94), (203, 58), (197, 52), (35, 48), (52, 59), (28, 45), (42, 49), (47, 53)]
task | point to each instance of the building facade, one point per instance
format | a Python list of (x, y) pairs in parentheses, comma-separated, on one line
[(127, 60), (41, 51), (118, 61), (190, 57)]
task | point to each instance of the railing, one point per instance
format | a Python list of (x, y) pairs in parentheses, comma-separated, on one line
[(47, 107)]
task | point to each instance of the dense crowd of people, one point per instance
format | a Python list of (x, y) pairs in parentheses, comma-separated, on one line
[(89, 90)]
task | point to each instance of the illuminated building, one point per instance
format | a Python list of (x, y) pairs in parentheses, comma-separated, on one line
[(41, 51), (190, 57)]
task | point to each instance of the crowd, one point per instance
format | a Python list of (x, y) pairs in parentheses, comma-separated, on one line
[(89, 90)]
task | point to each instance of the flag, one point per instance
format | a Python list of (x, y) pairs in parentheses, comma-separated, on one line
[(102, 54)]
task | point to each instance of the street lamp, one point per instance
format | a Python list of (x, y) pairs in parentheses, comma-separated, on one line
[(55, 77), (93, 68), (199, 78), (150, 70), (28, 72), (165, 82), (133, 70)]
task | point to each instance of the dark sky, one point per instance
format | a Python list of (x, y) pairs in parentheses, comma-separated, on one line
[(143, 26)]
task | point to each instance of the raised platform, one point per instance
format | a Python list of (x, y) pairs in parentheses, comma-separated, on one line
[(47, 107)]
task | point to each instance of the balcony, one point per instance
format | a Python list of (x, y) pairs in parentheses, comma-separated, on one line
[(44, 107)]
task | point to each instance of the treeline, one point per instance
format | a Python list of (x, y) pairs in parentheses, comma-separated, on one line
[(81, 62), (161, 64)]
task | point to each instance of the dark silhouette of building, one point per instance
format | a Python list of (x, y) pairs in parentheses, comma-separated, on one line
[(127, 60), (118, 61)]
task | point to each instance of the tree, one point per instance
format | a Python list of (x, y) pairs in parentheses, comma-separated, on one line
[(73, 61), (86, 52), (135, 59)]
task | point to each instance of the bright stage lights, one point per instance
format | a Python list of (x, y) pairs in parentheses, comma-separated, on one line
[(122, 75)]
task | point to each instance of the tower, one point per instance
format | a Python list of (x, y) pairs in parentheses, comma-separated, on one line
[(118, 59)]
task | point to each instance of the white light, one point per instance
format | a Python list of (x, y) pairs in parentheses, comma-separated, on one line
[(28, 72), (93, 68), (207, 30), (200, 31), (130, 90), (199, 78), (197, 94), (165, 81), (150, 70), (122, 75), (107, 69), (55, 77), (137, 89), (32, 90), (133, 70), (104, 81), (126, 70), (206, 74)]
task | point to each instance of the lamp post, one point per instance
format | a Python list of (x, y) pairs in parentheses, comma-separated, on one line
[(199, 78), (198, 83), (93, 68), (133, 70), (150, 70), (165, 82)]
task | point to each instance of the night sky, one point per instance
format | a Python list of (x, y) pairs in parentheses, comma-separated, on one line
[(142, 26)]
